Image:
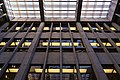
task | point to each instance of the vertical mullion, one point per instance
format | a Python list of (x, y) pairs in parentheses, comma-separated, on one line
[(5, 25), (75, 54), (15, 50), (46, 55), (110, 40), (61, 57), (79, 9), (9, 42), (100, 75), (116, 26), (106, 51), (41, 10), (111, 31), (25, 65), (8, 31)]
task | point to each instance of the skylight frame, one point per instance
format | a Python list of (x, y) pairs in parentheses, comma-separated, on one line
[(97, 9), (25, 9)]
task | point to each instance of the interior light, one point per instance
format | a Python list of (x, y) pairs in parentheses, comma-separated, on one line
[(67, 70), (17, 28), (65, 44), (83, 70), (94, 44), (58, 28), (109, 71), (44, 43), (86, 28), (14, 43), (72, 28), (26, 44), (76, 44), (107, 44), (33, 28), (38, 70), (54, 70), (118, 44), (55, 44), (46, 28), (2, 43), (112, 28), (13, 70)]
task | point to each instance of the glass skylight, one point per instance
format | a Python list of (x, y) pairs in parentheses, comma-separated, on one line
[(60, 8), (95, 8), (24, 8)]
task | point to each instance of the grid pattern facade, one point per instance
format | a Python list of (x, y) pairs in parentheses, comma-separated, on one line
[(59, 51)]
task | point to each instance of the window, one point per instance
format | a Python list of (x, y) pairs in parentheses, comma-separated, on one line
[(111, 72), (26, 43), (10, 72), (3, 42), (106, 43), (94, 43), (87, 72)]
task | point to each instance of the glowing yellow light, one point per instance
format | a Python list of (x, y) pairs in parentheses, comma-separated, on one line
[(83, 70), (55, 44), (58, 28), (94, 44), (118, 44), (33, 28), (46, 28), (14, 70), (107, 44), (114, 71), (14, 43), (66, 44), (102, 28), (7, 70), (2, 43), (38, 70), (26, 44), (17, 28), (67, 70), (112, 28), (76, 44), (86, 28), (44, 43), (72, 28), (54, 70), (109, 71)]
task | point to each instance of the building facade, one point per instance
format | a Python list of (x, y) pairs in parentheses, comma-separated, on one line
[(59, 50)]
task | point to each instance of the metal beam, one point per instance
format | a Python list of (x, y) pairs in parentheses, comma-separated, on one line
[(46, 55), (23, 69), (79, 7), (61, 55), (41, 10), (75, 54)]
